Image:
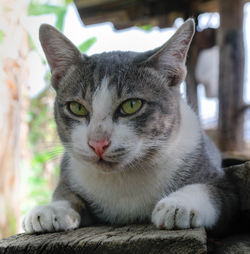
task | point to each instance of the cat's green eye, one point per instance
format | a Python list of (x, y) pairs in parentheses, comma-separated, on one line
[(131, 106), (77, 109)]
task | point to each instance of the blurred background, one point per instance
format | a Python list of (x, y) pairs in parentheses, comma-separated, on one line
[(217, 85)]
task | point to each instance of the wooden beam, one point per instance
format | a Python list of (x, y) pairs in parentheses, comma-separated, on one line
[(133, 239), (208, 6), (191, 83), (142, 239), (97, 11), (136, 11), (92, 3)]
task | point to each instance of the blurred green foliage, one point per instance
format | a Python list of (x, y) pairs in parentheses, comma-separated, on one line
[(45, 150), (36, 7), (86, 45), (39, 115), (43, 171), (1, 36)]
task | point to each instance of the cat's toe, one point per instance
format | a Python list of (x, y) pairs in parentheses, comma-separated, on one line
[(196, 219), (163, 215), (182, 218), (66, 220), (27, 224), (39, 219), (169, 214)]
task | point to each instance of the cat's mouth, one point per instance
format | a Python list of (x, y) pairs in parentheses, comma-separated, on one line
[(106, 166), (103, 162)]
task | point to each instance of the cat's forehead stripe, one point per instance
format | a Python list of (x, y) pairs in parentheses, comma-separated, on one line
[(102, 97)]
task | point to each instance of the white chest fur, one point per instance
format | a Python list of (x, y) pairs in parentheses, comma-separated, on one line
[(119, 197), (130, 195)]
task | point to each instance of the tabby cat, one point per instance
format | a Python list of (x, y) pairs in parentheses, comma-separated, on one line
[(134, 150)]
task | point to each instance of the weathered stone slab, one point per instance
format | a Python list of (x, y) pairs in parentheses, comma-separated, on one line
[(133, 239)]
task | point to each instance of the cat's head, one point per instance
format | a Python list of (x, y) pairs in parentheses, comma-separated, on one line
[(116, 110)]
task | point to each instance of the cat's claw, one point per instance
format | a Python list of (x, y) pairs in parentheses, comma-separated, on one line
[(57, 216)]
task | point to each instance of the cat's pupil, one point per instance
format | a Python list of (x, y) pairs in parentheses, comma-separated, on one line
[(132, 103)]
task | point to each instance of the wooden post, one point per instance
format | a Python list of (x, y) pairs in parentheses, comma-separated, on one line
[(231, 77), (191, 83)]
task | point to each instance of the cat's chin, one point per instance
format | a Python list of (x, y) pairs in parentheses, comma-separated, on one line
[(106, 166)]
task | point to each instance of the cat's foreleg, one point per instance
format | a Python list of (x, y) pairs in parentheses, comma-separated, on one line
[(190, 206), (67, 211)]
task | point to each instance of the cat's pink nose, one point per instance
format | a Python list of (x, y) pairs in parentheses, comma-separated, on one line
[(99, 146)]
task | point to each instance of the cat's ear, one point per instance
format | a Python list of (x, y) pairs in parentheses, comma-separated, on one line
[(170, 58), (60, 52)]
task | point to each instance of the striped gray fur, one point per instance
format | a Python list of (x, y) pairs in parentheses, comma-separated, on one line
[(159, 165)]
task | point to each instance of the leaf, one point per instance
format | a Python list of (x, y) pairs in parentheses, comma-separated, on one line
[(68, 1), (12, 222), (60, 15), (37, 9), (33, 46), (2, 34), (146, 27), (41, 9), (85, 46), (31, 42)]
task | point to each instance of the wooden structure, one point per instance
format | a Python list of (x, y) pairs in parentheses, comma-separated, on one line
[(140, 239), (231, 79), (161, 13), (127, 13), (133, 239)]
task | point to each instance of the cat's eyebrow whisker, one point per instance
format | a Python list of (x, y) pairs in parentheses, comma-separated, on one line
[(54, 157)]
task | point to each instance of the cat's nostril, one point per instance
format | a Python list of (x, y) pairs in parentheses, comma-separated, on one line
[(99, 146)]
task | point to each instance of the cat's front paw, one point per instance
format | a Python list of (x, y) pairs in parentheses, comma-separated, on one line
[(170, 214), (187, 208), (57, 216)]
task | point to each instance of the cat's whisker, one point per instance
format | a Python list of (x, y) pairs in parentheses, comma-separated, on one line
[(118, 154)]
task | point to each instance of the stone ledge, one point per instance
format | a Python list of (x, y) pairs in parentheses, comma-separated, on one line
[(132, 239)]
